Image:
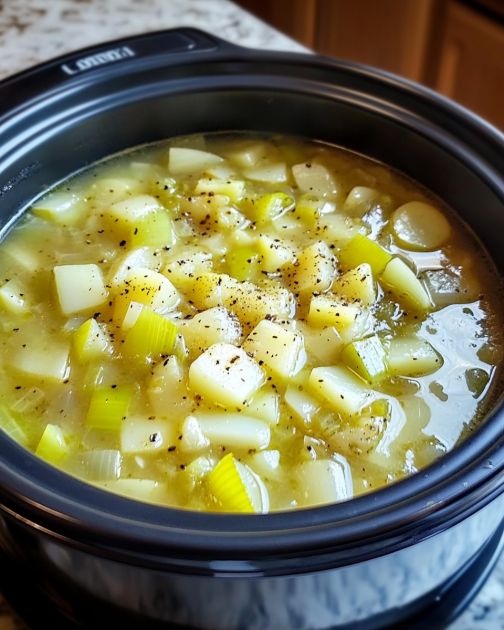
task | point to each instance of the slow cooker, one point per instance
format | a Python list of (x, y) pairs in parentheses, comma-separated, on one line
[(413, 553)]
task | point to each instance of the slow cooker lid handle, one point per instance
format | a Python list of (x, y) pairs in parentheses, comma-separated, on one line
[(168, 46)]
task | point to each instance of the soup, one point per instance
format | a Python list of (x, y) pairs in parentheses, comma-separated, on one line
[(244, 323)]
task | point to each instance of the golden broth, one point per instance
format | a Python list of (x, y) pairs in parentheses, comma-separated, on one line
[(244, 323)]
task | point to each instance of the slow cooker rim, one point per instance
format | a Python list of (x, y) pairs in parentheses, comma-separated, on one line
[(15, 493)]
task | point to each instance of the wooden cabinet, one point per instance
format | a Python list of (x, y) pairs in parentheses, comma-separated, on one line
[(450, 45), (390, 34), (471, 68)]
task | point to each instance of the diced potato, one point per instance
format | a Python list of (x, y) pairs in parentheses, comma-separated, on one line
[(275, 253), (357, 284), (52, 445), (412, 356), (247, 301), (225, 375), (216, 244), (24, 256), (358, 437), (343, 391), (241, 238), (142, 436), (360, 200), (323, 481), (182, 160), (192, 437), (420, 226), (144, 257), (251, 304), (202, 209), (266, 464), (108, 190), (322, 345), (60, 207), (145, 170), (199, 468), (315, 179), (210, 289), (164, 188), (221, 171), (314, 271), (126, 213), (406, 287), (13, 298), (79, 287), (142, 489), (367, 358), (447, 287), (167, 390), (48, 361), (232, 188), (288, 226), (209, 327), (301, 403), (234, 430), (270, 173), (147, 287), (190, 263), (264, 405), (337, 228), (281, 350), (140, 221), (251, 154), (231, 219), (330, 310), (361, 249), (90, 341)]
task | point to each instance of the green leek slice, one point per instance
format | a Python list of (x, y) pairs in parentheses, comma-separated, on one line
[(109, 407), (52, 445), (361, 249), (151, 335), (227, 486), (367, 358)]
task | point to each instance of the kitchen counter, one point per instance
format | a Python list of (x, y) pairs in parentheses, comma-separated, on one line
[(32, 31)]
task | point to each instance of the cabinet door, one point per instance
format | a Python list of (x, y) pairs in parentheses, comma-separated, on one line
[(396, 35), (472, 62)]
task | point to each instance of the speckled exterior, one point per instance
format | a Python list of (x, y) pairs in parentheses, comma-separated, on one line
[(32, 31)]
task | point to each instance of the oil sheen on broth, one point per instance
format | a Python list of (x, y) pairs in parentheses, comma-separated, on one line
[(244, 323)]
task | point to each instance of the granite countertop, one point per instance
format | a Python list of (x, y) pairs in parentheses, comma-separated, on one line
[(32, 31)]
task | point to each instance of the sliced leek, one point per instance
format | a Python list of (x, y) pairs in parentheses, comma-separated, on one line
[(52, 445), (109, 407), (150, 336), (227, 486)]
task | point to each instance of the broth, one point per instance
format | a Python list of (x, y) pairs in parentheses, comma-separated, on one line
[(236, 322)]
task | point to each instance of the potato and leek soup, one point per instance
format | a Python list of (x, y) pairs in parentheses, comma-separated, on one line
[(244, 323)]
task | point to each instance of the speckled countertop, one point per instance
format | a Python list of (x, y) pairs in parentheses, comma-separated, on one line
[(32, 31)]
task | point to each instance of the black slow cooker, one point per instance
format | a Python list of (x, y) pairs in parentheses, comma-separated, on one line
[(411, 553)]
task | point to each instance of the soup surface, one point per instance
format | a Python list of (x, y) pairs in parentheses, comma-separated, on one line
[(244, 323)]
